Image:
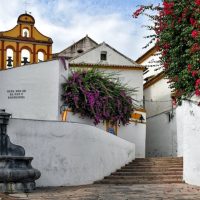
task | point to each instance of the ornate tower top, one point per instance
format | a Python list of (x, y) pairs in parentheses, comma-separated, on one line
[(26, 19), (24, 44)]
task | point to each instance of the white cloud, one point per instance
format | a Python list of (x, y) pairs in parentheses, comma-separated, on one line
[(66, 22)]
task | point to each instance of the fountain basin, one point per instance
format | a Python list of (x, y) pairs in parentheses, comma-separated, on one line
[(17, 174)]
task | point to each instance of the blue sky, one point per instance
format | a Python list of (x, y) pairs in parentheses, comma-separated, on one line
[(66, 21)]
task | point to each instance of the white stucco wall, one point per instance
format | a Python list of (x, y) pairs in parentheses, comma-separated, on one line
[(153, 66), (180, 125), (42, 85), (158, 98), (93, 56), (69, 153), (161, 136), (40, 90), (134, 79), (135, 133), (161, 133), (189, 118)]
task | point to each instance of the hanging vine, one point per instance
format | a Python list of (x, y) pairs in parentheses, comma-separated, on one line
[(99, 96), (177, 36)]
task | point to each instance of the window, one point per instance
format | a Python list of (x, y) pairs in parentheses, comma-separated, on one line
[(25, 57), (104, 55), (9, 58), (40, 56), (25, 32), (80, 50)]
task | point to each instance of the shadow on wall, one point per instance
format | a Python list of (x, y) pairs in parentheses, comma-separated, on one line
[(161, 136)]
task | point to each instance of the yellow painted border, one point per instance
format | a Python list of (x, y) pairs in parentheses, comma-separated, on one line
[(137, 122), (125, 67), (145, 56), (140, 110)]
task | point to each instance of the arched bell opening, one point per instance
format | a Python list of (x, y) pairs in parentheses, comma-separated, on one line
[(9, 58), (40, 56), (25, 57)]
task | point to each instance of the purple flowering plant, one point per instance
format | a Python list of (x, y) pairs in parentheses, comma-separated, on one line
[(99, 96)]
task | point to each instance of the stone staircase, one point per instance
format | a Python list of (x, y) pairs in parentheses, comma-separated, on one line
[(148, 171)]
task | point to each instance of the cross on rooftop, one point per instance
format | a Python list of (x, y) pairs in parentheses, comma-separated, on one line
[(26, 4)]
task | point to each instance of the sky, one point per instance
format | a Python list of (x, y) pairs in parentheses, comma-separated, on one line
[(67, 21)]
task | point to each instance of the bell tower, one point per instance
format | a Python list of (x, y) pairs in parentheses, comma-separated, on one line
[(24, 44)]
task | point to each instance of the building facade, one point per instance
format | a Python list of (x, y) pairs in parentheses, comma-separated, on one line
[(24, 44), (109, 60), (83, 45), (161, 138)]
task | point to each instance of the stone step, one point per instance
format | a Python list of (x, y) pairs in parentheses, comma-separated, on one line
[(147, 173), (150, 169), (160, 158), (158, 161), (129, 181), (155, 162), (143, 177), (156, 165)]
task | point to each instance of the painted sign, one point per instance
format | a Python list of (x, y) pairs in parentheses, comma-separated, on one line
[(16, 94)]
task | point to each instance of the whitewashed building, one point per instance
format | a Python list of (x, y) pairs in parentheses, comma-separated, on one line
[(34, 91), (106, 58), (161, 121), (66, 153)]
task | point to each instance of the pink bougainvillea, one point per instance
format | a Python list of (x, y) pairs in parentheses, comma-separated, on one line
[(197, 87), (197, 2), (189, 67), (138, 12), (168, 7), (177, 36), (193, 21), (195, 33)]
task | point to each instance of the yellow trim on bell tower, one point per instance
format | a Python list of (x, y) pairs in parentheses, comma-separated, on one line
[(24, 36)]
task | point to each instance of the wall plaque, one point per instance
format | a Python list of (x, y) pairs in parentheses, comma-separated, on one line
[(16, 94)]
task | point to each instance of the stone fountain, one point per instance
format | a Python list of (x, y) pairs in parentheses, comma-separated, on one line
[(16, 172)]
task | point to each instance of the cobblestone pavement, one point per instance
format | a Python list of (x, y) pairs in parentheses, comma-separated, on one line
[(113, 192)]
